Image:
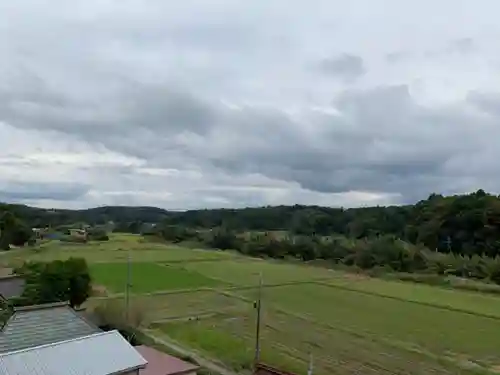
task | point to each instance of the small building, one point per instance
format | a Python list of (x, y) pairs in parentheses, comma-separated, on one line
[(37, 325), (78, 233), (104, 353), (11, 286), (163, 364), (37, 232)]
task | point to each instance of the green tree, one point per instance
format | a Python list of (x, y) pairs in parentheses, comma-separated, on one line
[(56, 281), (13, 231)]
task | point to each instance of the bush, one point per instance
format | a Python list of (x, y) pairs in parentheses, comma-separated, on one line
[(56, 281), (97, 234), (113, 313)]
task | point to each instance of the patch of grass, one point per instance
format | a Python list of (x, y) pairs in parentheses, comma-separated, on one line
[(147, 277), (180, 305), (144, 339), (210, 339), (477, 303), (286, 342), (114, 251), (432, 329), (246, 271)]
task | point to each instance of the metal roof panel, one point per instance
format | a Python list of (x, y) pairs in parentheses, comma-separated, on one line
[(41, 325), (102, 353)]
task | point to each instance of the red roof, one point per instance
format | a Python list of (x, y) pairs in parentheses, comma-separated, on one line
[(163, 364)]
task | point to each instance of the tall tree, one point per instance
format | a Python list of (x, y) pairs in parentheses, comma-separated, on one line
[(56, 281)]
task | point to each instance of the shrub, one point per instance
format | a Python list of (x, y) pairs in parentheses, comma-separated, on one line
[(56, 281), (97, 234), (113, 313)]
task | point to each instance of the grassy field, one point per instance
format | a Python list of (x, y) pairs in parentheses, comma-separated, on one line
[(117, 249), (148, 277), (350, 324), (246, 272)]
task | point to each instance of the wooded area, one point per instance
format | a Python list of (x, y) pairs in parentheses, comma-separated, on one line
[(462, 224)]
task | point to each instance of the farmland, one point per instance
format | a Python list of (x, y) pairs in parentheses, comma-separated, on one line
[(349, 323)]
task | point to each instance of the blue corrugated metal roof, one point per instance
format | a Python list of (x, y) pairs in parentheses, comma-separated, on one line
[(98, 354)]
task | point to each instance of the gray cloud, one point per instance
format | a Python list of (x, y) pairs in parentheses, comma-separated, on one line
[(213, 103), (488, 102), (456, 48), (382, 141), (462, 46), (346, 67), (398, 56), (28, 191)]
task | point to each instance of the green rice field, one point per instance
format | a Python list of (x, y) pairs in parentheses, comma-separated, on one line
[(204, 300)]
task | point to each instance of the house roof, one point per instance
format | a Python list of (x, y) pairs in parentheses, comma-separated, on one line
[(43, 324), (11, 286), (103, 353), (163, 364)]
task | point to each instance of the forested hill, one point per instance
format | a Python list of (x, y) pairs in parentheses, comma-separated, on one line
[(40, 217), (462, 223)]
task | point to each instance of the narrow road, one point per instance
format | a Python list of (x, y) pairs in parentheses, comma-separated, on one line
[(203, 362)]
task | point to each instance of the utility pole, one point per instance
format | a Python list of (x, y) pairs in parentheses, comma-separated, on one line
[(448, 244), (310, 369), (257, 328), (127, 288)]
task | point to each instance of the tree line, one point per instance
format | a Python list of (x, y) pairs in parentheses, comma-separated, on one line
[(381, 253), (461, 224)]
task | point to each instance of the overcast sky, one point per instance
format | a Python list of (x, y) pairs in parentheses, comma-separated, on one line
[(220, 103)]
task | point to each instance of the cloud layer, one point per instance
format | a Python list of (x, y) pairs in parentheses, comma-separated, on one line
[(220, 103)]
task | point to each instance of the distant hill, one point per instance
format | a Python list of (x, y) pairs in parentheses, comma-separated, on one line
[(36, 217), (462, 223)]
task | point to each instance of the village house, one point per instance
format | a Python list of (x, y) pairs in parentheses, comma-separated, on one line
[(103, 353), (54, 339), (82, 233), (163, 364), (37, 325)]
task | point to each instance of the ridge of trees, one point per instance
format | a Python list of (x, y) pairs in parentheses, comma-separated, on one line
[(381, 253), (41, 217), (461, 224)]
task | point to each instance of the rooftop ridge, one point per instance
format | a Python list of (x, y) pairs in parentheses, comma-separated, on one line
[(84, 318), (60, 342), (41, 306)]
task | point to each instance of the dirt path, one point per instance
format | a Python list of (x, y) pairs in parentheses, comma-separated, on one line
[(204, 362)]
